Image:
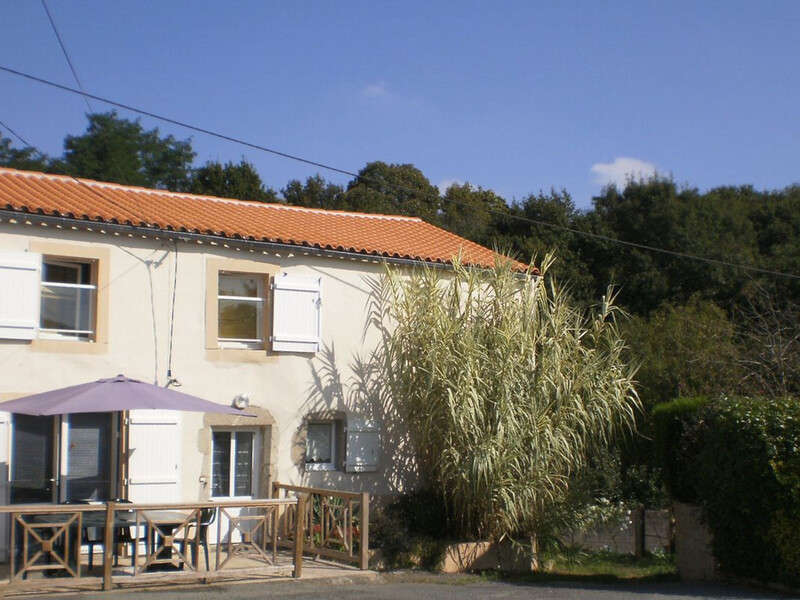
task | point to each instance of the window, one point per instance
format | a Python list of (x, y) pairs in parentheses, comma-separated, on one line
[(240, 310), (67, 300), (232, 463), (321, 446)]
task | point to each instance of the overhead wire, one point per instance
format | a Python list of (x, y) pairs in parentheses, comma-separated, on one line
[(66, 55), (83, 91), (366, 179)]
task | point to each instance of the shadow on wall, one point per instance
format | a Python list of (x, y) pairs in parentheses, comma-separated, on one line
[(353, 391)]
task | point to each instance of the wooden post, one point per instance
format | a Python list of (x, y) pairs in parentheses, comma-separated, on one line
[(13, 547), (299, 534), (108, 544), (638, 531), (363, 540)]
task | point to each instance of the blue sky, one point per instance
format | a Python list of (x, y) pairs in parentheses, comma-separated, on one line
[(513, 96)]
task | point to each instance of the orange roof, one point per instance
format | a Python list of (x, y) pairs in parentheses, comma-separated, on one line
[(389, 236)]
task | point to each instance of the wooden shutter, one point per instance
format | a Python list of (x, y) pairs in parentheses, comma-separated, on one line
[(154, 456), (297, 314), (363, 447), (19, 294)]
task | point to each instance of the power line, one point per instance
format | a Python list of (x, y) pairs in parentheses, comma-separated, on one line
[(180, 123), (66, 55), (215, 134)]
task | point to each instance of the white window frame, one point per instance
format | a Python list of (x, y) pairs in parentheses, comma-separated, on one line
[(254, 459), (255, 344), (328, 466), (81, 335)]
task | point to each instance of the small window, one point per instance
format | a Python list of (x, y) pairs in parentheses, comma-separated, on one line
[(240, 315), (233, 464), (67, 300), (321, 446)]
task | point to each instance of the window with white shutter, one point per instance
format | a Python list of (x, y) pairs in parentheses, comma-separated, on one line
[(297, 314), (19, 294)]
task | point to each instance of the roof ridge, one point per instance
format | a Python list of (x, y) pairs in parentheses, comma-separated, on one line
[(204, 197)]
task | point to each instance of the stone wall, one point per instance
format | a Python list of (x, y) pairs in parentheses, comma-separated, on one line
[(621, 538), (693, 544)]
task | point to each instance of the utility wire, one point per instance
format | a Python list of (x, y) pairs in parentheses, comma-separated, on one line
[(180, 123), (66, 55), (573, 231), (83, 91)]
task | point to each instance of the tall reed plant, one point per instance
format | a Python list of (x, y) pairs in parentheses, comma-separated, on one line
[(505, 388)]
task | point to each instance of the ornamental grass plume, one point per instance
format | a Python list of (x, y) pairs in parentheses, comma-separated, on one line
[(504, 386)]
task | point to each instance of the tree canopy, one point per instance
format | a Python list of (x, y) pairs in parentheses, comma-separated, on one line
[(122, 151), (230, 180)]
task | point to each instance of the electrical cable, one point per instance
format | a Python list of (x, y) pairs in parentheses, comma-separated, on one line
[(597, 236), (66, 55), (170, 380)]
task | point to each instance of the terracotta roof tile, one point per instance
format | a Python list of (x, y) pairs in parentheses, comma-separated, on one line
[(377, 235)]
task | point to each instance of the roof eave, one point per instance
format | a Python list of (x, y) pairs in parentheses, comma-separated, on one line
[(150, 231)]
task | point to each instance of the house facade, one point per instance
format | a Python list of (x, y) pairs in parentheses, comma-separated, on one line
[(263, 306)]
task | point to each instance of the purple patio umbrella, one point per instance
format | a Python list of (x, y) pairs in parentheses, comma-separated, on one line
[(111, 395)]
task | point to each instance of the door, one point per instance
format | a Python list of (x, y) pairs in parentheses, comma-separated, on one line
[(88, 452), (33, 460), (154, 445), (59, 459)]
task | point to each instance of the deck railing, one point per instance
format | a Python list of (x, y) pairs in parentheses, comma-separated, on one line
[(335, 524), (159, 536)]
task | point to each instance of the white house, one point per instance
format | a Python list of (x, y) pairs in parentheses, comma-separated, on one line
[(223, 298)]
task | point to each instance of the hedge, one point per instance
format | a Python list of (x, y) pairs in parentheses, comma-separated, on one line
[(749, 486), (674, 427)]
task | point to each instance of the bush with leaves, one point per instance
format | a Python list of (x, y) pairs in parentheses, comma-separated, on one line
[(506, 389), (749, 485)]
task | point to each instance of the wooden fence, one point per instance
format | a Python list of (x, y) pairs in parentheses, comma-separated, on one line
[(335, 524), (173, 537)]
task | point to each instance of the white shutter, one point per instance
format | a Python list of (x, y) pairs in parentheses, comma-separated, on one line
[(5, 471), (363, 447), (19, 294), (297, 314), (154, 456)]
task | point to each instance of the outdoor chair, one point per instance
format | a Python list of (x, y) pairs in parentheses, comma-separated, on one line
[(90, 536), (127, 535), (207, 517)]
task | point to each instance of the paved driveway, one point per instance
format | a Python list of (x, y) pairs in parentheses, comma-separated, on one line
[(416, 587)]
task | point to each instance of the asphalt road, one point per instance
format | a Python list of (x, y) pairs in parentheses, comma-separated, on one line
[(411, 587)]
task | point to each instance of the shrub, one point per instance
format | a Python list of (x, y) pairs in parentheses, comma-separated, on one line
[(749, 485), (412, 531), (676, 445)]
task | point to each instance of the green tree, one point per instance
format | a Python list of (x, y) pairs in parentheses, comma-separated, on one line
[(27, 159), (685, 350), (537, 226), (394, 190), (118, 150), (472, 212), (505, 387), (656, 213), (314, 193), (230, 180)]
